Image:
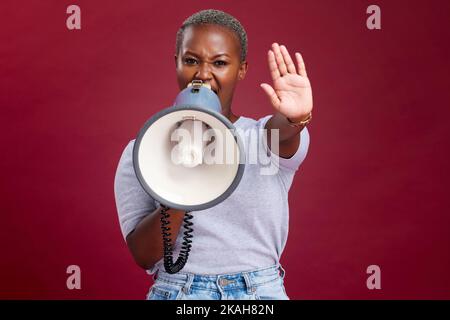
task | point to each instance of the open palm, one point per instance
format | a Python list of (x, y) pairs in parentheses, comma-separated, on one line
[(291, 94)]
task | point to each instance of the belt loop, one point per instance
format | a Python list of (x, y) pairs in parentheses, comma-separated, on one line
[(187, 286), (248, 283), (282, 272)]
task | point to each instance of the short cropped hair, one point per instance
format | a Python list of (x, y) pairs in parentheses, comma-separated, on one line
[(215, 17)]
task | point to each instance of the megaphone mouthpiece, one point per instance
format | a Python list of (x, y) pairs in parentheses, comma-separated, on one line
[(196, 84)]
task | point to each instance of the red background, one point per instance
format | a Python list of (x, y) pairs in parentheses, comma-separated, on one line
[(373, 189)]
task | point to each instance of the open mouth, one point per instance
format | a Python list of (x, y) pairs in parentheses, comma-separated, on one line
[(204, 84)]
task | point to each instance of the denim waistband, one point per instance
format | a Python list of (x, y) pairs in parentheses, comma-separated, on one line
[(240, 280)]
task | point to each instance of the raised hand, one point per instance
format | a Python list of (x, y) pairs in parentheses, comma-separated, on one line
[(291, 94)]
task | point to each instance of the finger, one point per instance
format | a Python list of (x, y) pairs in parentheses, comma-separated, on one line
[(279, 59), (287, 58), (274, 72), (271, 94), (301, 65)]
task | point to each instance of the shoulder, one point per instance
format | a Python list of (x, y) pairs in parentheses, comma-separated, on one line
[(246, 122), (127, 153), (125, 165)]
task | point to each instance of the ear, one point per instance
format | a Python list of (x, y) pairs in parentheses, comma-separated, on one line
[(242, 70)]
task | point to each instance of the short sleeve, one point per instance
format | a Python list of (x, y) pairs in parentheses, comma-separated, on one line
[(132, 202), (286, 167), (294, 162)]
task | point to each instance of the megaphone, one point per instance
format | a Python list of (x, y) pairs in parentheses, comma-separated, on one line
[(188, 157)]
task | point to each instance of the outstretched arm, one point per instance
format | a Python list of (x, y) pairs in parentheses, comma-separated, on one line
[(290, 96)]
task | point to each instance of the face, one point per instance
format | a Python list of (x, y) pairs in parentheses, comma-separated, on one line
[(211, 53)]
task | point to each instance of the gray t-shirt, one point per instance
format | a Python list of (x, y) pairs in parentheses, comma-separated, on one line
[(246, 231)]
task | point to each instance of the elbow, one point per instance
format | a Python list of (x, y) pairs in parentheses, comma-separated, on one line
[(143, 264), (143, 260)]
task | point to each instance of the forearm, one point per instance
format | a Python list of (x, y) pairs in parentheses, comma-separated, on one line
[(289, 137), (145, 242), (286, 131)]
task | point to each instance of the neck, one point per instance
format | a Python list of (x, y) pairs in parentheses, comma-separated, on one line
[(230, 116)]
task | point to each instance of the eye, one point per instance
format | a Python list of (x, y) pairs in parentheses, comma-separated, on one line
[(220, 63), (190, 61)]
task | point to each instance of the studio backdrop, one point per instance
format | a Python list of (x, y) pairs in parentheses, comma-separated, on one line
[(371, 196)]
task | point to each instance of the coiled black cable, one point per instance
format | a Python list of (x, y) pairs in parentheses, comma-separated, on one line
[(169, 265)]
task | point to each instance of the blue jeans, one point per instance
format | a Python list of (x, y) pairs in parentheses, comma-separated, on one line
[(260, 284)]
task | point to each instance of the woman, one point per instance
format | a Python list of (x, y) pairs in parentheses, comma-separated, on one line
[(237, 243)]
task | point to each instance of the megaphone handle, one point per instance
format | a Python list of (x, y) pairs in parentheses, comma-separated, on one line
[(169, 265)]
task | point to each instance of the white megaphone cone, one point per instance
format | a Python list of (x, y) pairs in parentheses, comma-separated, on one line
[(188, 157), (189, 151)]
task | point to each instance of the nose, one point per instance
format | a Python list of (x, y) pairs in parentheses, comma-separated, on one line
[(204, 72)]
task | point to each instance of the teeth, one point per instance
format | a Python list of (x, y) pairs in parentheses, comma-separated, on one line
[(205, 84)]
